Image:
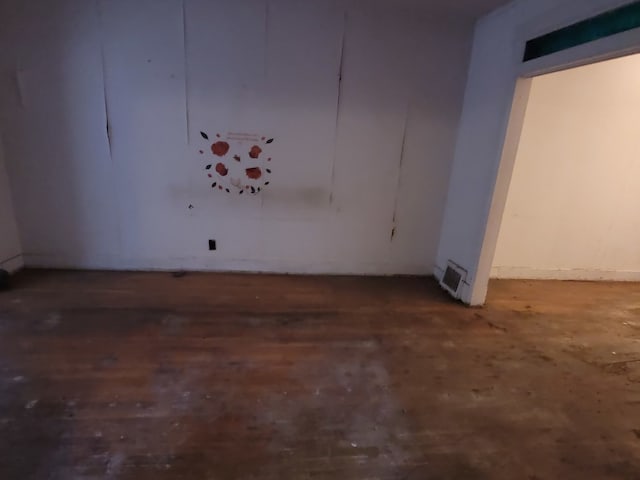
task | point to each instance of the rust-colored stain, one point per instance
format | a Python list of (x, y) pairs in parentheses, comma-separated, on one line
[(222, 169), (220, 148), (236, 158), (255, 151), (254, 173)]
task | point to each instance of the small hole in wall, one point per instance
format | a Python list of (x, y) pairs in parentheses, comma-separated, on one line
[(212, 245)]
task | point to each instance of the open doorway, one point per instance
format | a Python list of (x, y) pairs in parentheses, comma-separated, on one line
[(573, 204)]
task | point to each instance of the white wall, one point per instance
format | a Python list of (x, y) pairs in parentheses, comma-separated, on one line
[(572, 208), (10, 249), (470, 225), (353, 160)]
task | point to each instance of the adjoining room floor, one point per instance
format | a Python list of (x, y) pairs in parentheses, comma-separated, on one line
[(221, 376)]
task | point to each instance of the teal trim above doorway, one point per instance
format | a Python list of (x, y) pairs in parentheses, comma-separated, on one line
[(610, 23)]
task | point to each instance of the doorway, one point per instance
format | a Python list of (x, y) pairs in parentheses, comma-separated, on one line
[(571, 211)]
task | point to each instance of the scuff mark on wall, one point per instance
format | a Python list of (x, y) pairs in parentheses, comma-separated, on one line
[(394, 225), (186, 69), (339, 97)]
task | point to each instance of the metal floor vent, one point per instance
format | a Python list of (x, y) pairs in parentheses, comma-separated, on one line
[(453, 277)]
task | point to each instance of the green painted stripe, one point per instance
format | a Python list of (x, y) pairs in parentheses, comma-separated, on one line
[(601, 26)]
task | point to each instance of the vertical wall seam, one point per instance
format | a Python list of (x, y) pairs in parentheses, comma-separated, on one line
[(186, 70), (265, 59), (108, 132), (104, 79), (19, 93), (266, 39), (106, 108), (398, 184), (12, 197), (338, 101)]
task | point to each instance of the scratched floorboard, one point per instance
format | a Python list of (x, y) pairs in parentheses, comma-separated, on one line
[(219, 376)]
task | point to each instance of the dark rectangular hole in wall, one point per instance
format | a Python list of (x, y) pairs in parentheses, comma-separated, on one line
[(212, 245), (601, 26)]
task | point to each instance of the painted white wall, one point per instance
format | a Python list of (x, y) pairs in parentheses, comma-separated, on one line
[(572, 208), (10, 249), (352, 159), (470, 225)]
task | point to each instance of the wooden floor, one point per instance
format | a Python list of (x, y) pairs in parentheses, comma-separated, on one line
[(151, 376)]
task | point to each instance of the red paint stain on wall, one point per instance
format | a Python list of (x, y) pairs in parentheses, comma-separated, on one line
[(254, 173), (255, 151), (222, 169), (220, 148)]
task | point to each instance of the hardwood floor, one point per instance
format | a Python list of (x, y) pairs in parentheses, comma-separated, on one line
[(220, 376)]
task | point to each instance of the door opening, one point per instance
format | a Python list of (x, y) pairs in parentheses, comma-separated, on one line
[(571, 211)]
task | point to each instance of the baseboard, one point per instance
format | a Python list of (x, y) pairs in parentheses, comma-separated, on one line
[(224, 265), (527, 273), (12, 264)]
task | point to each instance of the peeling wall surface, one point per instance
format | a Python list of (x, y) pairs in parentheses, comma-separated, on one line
[(572, 209), (105, 103), (495, 65), (10, 249)]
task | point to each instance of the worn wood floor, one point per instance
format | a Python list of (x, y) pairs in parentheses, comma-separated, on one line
[(148, 376)]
